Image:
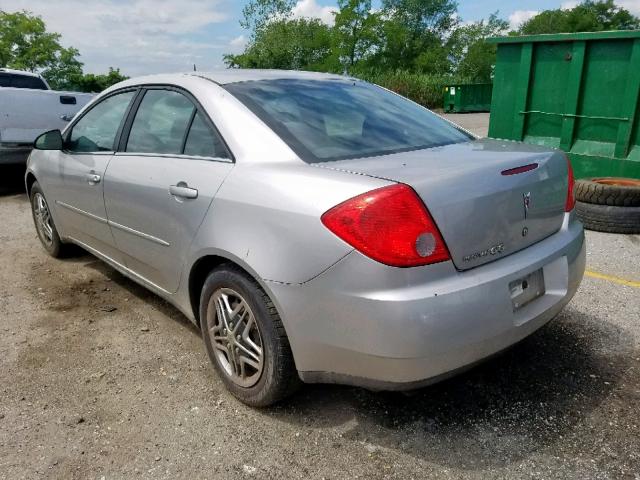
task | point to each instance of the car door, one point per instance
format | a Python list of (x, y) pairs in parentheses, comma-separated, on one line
[(160, 184), (77, 182)]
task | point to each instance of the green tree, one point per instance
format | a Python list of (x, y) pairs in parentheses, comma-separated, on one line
[(473, 56), (257, 13), (64, 70), (289, 44), (418, 16), (356, 31), (414, 33), (25, 43), (589, 16), (96, 83)]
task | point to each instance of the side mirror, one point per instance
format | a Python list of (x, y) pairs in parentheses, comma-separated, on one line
[(51, 140)]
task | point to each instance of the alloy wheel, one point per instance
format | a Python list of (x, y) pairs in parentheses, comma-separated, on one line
[(235, 337), (43, 218)]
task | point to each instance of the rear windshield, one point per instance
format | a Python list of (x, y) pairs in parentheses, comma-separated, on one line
[(326, 120), (21, 81)]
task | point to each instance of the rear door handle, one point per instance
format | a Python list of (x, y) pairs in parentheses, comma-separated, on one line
[(182, 190), (93, 178)]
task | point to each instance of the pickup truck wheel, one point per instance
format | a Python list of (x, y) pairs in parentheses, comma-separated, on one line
[(615, 192), (245, 338), (604, 218), (47, 232)]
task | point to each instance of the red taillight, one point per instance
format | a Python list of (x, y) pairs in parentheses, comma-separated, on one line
[(390, 225), (571, 197)]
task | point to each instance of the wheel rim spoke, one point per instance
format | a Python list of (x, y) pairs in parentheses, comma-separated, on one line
[(235, 337), (43, 219), (222, 307)]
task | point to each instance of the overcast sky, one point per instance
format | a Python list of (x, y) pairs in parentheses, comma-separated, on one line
[(154, 36)]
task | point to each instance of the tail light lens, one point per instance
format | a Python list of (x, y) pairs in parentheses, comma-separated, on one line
[(571, 197), (390, 225)]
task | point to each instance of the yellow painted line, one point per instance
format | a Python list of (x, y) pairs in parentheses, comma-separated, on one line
[(610, 278)]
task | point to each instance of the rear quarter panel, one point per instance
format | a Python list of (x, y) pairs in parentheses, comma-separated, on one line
[(266, 217)]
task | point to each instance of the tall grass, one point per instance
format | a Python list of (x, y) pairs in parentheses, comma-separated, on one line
[(425, 89)]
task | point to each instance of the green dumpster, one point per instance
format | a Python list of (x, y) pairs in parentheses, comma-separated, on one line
[(471, 97), (578, 92)]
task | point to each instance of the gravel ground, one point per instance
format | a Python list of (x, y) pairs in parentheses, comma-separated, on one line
[(101, 379)]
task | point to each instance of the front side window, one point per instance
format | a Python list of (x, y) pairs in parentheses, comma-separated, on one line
[(96, 131), (161, 123), (325, 120)]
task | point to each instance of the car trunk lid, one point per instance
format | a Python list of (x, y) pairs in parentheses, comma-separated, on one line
[(484, 204)]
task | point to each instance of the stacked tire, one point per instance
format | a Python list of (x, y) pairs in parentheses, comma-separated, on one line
[(609, 204)]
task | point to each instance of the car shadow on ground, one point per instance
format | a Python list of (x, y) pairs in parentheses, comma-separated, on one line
[(135, 289), (507, 409), (12, 179), (518, 404)]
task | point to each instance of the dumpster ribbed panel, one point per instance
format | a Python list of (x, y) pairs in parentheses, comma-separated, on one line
[(577, 92)]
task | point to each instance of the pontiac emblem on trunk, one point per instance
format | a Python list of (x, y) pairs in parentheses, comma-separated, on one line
[(526, 199)]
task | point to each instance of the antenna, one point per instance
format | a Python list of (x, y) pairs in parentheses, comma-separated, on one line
[(194, 67)]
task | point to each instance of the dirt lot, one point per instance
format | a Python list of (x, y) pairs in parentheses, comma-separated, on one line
[(100, 379), (476, 123)]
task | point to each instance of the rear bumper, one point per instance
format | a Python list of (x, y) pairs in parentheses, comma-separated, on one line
[(14, 155), (367, 324)]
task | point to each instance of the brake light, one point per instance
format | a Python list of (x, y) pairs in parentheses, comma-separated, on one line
[(390, 225), (571, 197)]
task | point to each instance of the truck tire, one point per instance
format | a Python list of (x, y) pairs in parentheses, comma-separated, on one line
[(615, 192), (612, 219)]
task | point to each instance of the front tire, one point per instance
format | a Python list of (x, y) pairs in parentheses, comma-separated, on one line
[(46, 229), (245, 338)]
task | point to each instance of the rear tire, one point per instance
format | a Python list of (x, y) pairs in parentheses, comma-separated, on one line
[(246, 343), (45, 227), (604, 218)]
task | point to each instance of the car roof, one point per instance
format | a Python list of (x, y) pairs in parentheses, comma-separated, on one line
[(222, 77), (233, 75), (19, 72)]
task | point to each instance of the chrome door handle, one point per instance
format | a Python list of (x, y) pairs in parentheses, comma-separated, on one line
[(93, 178), (182, 190)]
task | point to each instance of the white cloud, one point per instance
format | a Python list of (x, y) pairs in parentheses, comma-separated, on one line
[(238, 43), (569, 4), (138, 36), (310, 9), (632, 5), (518, 17)]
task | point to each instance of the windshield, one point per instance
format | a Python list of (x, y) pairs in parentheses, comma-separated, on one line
[(326, 120)]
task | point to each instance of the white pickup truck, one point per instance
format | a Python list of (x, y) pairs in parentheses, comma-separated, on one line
[(28, 107)]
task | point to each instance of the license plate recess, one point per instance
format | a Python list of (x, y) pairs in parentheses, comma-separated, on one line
[(526, 289)]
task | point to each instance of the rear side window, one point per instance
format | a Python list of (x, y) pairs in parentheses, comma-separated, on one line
[(96, 130), (21, 81), (161, 123), (204, 142)]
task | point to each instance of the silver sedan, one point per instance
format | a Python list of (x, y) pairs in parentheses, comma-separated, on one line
[(316, 227)]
